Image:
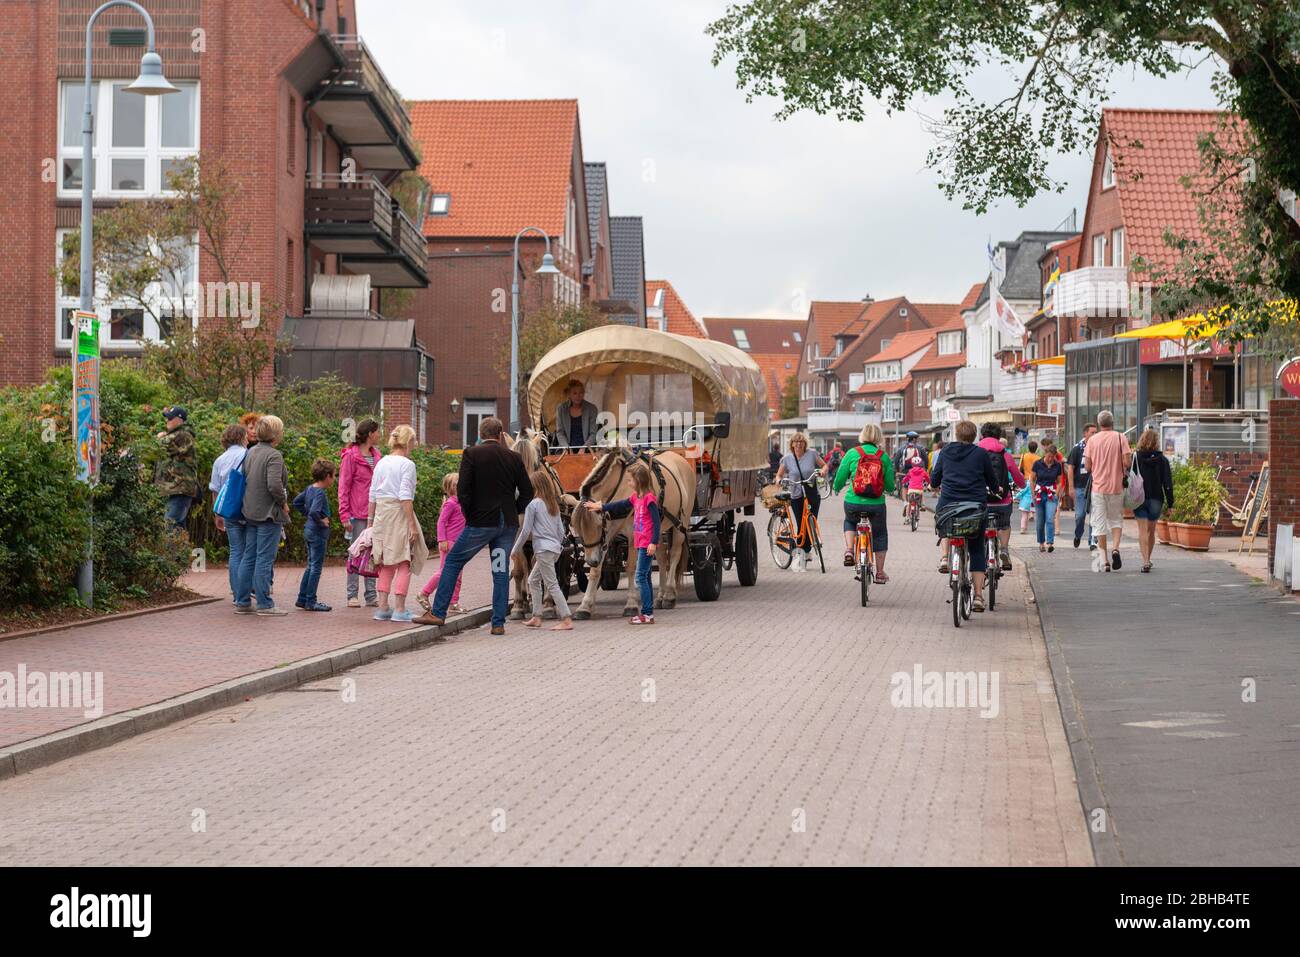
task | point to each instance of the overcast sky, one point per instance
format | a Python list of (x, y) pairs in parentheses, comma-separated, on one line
[(745, 215)]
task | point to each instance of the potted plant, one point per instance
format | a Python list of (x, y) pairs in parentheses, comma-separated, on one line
[(1197, 493)]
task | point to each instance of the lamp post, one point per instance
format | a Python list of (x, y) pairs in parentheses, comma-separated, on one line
[(546, 269), (150, 82)]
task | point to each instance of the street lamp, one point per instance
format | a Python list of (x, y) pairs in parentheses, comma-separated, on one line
[(546, 269), (150, 82)]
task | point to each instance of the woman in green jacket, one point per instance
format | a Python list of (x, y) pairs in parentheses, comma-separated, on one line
[(873, 507)]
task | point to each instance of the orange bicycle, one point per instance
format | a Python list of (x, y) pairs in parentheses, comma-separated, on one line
[(864, 558), (784, 535)]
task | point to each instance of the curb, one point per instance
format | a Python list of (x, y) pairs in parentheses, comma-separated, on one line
[(28, 755), (1105, 849), (117, 616)]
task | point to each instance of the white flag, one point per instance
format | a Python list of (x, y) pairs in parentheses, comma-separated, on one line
[(1007, 321)]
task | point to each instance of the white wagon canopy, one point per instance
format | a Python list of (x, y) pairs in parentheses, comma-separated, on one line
[(659, 383)]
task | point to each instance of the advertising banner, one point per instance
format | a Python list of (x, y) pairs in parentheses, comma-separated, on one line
[(85, 397)]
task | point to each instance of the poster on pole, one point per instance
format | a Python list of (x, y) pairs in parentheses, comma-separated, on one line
[(85, 397), (1174, 440)]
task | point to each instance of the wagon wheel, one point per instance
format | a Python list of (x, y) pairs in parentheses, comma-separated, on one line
[(564, 571), (746, 553), (611, 569), (707, 571)]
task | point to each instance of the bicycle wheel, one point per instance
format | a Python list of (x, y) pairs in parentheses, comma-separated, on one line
[(915, 516), (954, 559), (781, 539), (967, 587), (815, 534), (993, 573), (865, 571)]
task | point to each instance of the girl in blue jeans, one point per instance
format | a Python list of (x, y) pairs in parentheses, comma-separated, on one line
[(314, 503), (1048, 473), (644, 508)]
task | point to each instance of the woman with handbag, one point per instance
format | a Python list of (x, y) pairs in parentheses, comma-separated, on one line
[(1151, 469)]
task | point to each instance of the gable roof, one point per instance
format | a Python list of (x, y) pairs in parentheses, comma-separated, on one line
[(506, 164), (972, 295), (942, 315), (905, 344), (777, 369), (627, 260), (865, 324), (878, 388), (597, 187), (679, 319), (932, 361), (826, 318), (765, 336), (1152, 150)]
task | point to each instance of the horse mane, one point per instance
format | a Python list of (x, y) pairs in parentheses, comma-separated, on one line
[(597, 475)]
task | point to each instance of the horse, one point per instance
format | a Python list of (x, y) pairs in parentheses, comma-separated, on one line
[(674, 486)]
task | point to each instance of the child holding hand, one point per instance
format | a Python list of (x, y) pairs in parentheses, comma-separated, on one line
[(644, 508)]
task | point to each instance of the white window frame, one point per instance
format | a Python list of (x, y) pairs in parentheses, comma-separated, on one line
[(742, 339), (104, 308), (891, 408), (153, 153), (1099, 249), (1117, 247), (1107, 170), (480, 409)]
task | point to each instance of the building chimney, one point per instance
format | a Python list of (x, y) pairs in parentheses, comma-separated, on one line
[(867, 300)]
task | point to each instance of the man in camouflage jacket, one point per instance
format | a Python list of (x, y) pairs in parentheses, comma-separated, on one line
[(177, 476)]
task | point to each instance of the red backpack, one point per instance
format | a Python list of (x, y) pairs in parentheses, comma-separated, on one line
[(869, 478)]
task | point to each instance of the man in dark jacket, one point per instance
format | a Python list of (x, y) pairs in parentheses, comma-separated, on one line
[(177, 476), (493, 490), (963, 472)]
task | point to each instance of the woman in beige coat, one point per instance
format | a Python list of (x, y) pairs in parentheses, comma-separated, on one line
[(397, 545)]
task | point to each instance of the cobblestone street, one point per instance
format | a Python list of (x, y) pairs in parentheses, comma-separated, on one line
[(755, 730)]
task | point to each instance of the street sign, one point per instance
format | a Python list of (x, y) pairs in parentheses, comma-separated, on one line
[(1289, 377), (953, 414), (85, 397)]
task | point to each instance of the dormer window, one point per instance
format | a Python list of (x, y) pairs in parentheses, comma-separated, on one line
[(440, 204)]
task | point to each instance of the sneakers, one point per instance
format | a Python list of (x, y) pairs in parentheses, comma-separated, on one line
[(1005, 561), (800, 562), (245, 610), (372, 602), (354, 602), (1077, 539), (642, 619), (402, 616), (318, 606), (272, 612), (383, 615)]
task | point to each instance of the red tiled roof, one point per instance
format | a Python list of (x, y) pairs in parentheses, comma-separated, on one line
[(826, 318), (506, 164), (777, 369), (932, 361), (942, 315), (680, 320), (905, 344), (884, 388), (863, 325), (1152, 150), (763, 335), (972, 295)]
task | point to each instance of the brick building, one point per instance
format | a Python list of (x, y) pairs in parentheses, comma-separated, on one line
[(666, 311), (281, 92), (775, 344)]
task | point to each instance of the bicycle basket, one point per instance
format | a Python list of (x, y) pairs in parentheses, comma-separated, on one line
[(959, 520), (768, 494)]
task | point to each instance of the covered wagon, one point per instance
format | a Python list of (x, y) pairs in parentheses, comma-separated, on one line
[(655, 391)]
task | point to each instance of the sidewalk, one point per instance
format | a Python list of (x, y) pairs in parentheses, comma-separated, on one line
[(1189, 773), (151, 658)]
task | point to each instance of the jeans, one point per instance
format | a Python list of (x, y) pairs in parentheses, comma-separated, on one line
[(354, 580), (316, 538), (1047, 520), (1082, 505), (471, 541), (236, 533), (644, 562), (261, 541), (178, 509)]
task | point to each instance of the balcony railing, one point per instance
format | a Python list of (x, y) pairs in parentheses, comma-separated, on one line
[(819, 403), (358, 220), (380, 137), (972, 382), (821, 365), (1094, 291)]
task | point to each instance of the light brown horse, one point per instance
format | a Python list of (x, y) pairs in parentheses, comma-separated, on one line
[(673, 483)]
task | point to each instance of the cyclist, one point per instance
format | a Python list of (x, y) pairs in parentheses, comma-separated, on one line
[(869, 474), (910, 450), (963, 472), (802, 463), (1004, 466), (916, 479)]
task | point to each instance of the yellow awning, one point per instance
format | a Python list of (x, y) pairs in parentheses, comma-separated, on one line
[(1174, 329), (1049, 361)]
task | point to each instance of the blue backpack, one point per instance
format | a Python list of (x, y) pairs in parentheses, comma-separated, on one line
[(229, 503)]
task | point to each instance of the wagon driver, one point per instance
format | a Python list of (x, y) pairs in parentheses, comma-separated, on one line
[(575, 418)]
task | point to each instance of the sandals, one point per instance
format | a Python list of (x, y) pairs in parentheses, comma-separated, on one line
[(977, 603), (1146, 568), (848, 559), (882, 579)]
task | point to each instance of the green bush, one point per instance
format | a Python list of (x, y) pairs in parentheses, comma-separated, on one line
[(1197, 493)]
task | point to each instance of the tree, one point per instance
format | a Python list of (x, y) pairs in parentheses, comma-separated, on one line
[(829, 57), (543, 330), (790, 397), (212, 347)]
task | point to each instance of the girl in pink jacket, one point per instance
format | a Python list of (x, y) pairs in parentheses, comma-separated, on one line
[(356, 467), (451, 522)]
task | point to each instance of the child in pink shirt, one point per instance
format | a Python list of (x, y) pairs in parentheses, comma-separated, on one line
[(451, 522), (917, 477)]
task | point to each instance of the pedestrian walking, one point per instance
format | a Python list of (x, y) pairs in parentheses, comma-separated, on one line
[(871, 472), (233, 443), (1011, 478), (397, 541), (1158, 486), (544, 526), (643, 505), (802, 463), (1080, 488), (177, 475), (934, 453), (1107, 458), (1048, 473), (451, 522), (493, 489), (266, 513), (836, 457), (314, 504), (356, 471), (1025, 500)]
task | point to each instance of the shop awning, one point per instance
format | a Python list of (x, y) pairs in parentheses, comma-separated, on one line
[(1174, 329), (1049, 361)]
